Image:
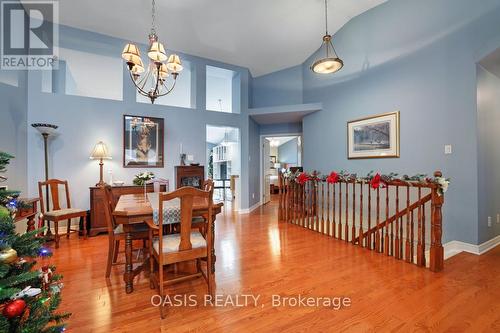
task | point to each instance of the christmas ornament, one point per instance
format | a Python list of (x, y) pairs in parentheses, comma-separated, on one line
[(14, 308), (28, 291), (56, 288), (44, 252), (8, 256), (46, 275)]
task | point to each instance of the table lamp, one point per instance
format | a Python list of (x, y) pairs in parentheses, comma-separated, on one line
[(100, 153)]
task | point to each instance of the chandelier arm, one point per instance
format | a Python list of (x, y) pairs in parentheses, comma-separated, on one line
[(145, 79), (156, 91), (333, 49), (139, 89), (169, 90)]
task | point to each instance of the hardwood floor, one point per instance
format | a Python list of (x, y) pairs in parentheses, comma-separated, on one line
[(257, 255)]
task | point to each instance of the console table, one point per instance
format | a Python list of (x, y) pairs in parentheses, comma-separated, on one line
[(97, 218), (29, 212)]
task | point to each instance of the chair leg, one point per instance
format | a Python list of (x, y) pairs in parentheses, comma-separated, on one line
[(56, 234), (68, 228), (162, 287), (83, 221), (116, 250), (151, 261), (111, 249)]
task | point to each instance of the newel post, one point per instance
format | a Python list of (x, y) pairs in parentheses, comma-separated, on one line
[(436, 251), (280, 196)]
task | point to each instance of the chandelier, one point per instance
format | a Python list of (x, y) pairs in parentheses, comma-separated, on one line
[(331, 63), (152, 82)]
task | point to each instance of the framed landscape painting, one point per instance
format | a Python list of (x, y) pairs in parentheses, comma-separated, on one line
[(373, 137), (142, 142)]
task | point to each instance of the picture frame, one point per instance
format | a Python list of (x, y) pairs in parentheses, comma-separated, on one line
[(143, 142), (377, 136), (4, 188)]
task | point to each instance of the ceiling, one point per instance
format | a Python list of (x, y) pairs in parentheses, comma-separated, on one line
[(262, 35), (279, 140)]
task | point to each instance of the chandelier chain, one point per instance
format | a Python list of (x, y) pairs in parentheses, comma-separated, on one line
[(153, 16), (326, 17)]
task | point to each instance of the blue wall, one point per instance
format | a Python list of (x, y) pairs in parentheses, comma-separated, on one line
[(13, 128), (280, 88), (283, 128), (289, 152), (427, 71), (488, 121)]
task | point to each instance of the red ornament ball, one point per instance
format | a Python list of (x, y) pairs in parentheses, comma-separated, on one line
[(14, 308)]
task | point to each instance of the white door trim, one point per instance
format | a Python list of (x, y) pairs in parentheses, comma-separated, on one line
[(261, 142)]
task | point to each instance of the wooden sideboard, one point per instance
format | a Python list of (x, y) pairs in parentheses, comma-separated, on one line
[(189, 175), (97, 219)]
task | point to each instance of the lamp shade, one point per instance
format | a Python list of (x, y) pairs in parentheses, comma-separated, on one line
[(130, 50), (331, 63), (157, 52), (327, 65), (138, 68), (174, 63), (100, 152), (45, 129), (163, 71)]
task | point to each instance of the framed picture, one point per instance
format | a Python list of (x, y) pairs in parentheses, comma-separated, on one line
[(4, 188), (273, 161), (142, 142), (374, 137)]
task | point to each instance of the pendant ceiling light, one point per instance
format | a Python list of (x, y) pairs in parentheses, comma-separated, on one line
[(152, 83), (331, 63)]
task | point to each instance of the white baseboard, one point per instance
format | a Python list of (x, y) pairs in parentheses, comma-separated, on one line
[(251, 209), (455, 247)]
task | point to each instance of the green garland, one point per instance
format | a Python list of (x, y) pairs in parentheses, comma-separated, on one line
[(344, 176)]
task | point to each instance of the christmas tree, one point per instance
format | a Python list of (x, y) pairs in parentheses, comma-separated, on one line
[(28, 297)]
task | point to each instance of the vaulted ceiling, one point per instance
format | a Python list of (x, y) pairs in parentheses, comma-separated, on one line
[(262, 35)]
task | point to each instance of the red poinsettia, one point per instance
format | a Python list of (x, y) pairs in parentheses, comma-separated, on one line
[(302, 178), (377, 181), (332, 178)]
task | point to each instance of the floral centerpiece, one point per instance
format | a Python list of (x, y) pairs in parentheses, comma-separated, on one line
[(143, 177)]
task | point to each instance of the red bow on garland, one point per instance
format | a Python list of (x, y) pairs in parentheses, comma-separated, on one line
[(332, 178), (302, 178), (377, 181)]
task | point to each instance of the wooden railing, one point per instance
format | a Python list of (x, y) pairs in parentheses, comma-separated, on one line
[(402, 219)]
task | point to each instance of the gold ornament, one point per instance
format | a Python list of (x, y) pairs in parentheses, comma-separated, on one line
[(8, 256)]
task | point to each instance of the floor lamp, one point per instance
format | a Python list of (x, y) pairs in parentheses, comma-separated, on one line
[(46, 130)]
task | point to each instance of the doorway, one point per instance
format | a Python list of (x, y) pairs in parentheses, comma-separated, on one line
[(224, 163), (277, 152)]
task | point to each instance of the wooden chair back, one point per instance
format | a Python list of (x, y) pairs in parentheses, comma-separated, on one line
[(52, 187), (208, 185), (109, 207), (187, 195)]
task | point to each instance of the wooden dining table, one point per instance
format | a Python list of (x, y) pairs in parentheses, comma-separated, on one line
[(133, 209)]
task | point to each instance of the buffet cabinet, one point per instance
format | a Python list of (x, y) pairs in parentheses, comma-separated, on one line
[(189, 175), (97, 217)]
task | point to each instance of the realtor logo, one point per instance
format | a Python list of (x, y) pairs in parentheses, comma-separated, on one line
[(29, 34)]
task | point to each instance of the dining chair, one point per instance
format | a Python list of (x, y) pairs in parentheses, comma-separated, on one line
[(200, 222), (116, 234), (188, 245), (57, 213)]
